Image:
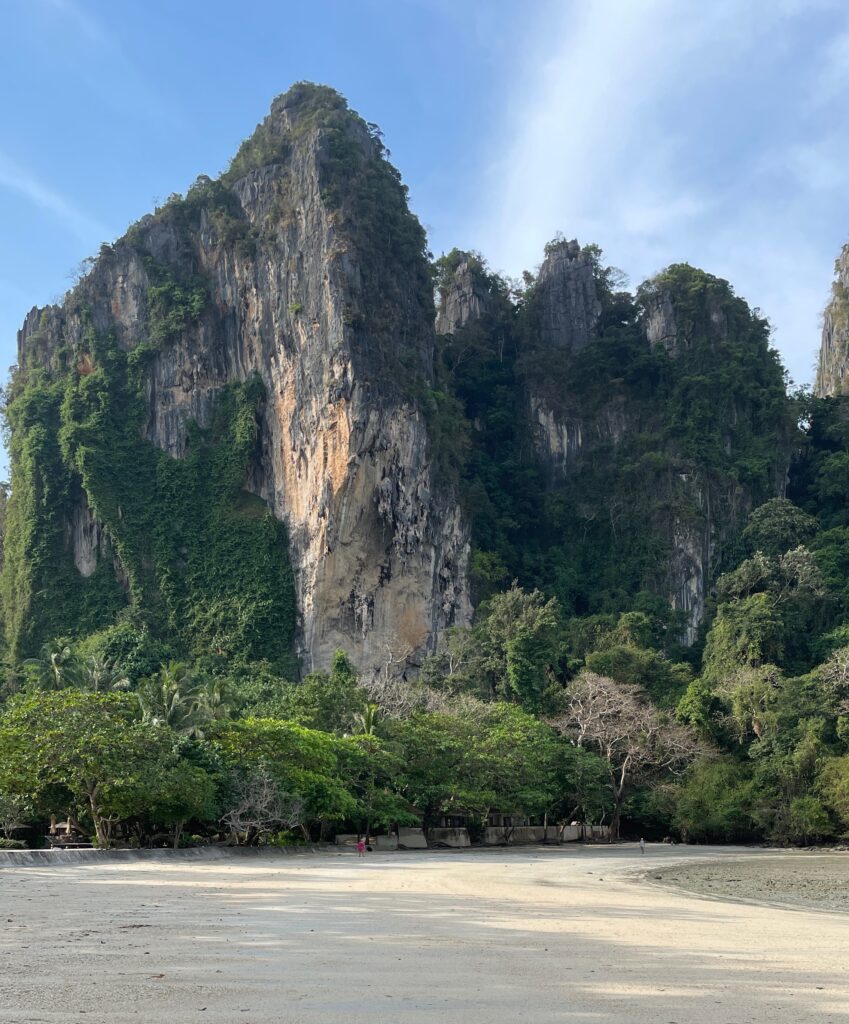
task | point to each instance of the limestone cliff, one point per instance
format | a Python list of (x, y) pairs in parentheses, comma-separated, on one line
[(309, 272), (566, 297), (833, 364), (249, 429), (465, 292), (609, 400)]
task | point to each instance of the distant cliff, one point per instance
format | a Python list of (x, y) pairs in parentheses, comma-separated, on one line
[(301, 267), (833, 364), (251, 431), (655, 424)]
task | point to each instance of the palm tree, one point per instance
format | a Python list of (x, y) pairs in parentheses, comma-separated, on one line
[(168, 698), (366, 721), (213, 699), (57, 667), (103, 676)]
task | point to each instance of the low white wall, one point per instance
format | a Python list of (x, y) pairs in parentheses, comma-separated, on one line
[(456, 837), (499, 836), (412, 839)]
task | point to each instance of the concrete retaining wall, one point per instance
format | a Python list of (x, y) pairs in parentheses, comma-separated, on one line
[(521, 834), (412, 839), (455, 837)]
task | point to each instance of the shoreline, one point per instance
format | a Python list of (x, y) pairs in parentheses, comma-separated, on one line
[(788, 879)]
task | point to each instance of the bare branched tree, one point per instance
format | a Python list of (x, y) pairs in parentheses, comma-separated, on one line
[(835, 676), (258, 806), (11, 814), (634, 737)]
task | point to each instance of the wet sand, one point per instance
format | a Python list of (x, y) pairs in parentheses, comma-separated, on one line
[(818, 881), (461, 937)]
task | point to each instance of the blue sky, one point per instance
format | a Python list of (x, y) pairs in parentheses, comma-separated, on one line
[(664, 130)]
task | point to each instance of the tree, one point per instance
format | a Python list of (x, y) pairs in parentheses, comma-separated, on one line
[(715, 803), (326, 701), (510, 654), (437, 778), (477, 759), (581, 785), (809, 819), (257, 805), (515, 757), (13, 813), (56, 667), (635, 738), (130, 649), (102, 676), (777, 526), (834, 674), (663, 680), (170, 698), (373, 774), (748, 632), (833, 787), (167, 791), (72, 746), (303, 763)]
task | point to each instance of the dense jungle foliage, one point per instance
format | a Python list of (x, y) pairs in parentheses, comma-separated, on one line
[(157, 700)]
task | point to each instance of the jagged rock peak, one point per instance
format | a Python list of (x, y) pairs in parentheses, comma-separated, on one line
[(467, 291), (566, 296), (295, 114), (683, 306), (301, 266), (833, 363)]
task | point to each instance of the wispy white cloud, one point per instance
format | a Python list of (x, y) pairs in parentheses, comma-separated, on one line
[(666, 136), (18, 179), (84, 21), (106, 59)]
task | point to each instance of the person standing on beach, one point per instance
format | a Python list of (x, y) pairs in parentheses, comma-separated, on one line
[(361, 847), (642, 846)]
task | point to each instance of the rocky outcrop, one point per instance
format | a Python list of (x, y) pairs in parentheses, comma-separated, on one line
[(561, 437), (566, 299), (465, 297), (833, 363), (677, 316), (683, 506), (320, 306), (659, 321)]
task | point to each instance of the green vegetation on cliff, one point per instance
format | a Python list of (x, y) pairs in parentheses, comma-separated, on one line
[(197, 559), (662, 443), (151, 684)]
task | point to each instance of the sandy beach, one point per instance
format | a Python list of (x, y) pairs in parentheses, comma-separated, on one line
[(542, 935), (796, 878)]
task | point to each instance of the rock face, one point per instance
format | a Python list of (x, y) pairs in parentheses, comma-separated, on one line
[(659, 320), (686, 509), (677, 321), (833, 364), (465, 298), (331, 315), (566, 297)]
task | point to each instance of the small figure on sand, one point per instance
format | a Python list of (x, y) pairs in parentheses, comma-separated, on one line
[(361, 847), (642, 846)]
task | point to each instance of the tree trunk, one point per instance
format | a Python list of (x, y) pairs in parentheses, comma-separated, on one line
[(614, 823), (178, 831), (99, 829)]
